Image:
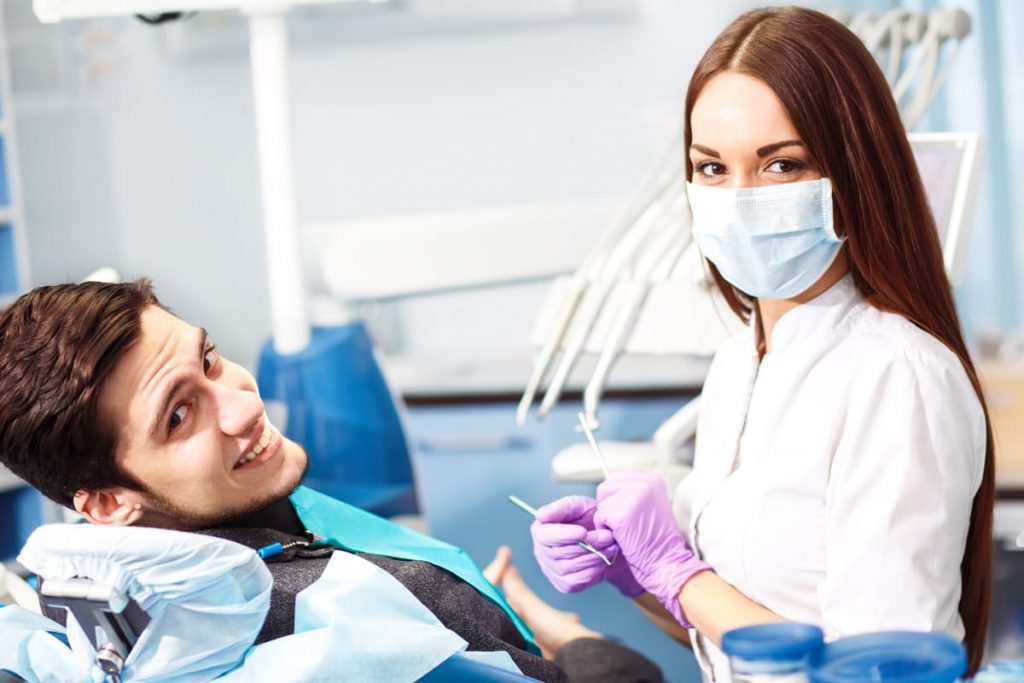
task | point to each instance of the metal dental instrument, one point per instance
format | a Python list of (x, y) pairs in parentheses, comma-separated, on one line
[(522, 505), (593, 443)]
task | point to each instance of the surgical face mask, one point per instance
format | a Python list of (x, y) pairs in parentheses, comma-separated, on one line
[(770, 242)]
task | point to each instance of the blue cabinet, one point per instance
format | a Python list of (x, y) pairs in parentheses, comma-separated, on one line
[(470, 457)]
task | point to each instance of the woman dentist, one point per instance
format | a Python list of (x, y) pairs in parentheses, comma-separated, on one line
[(843, 473)]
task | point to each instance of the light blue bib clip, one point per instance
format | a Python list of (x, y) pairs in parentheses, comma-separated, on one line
[(349, 528)]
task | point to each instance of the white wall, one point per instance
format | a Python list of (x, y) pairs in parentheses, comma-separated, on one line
[(140, 156)]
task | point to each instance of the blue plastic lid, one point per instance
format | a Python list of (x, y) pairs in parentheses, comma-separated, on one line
[(890, 657), (772, 642)]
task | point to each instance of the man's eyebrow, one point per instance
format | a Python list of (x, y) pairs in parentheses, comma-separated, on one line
[(182, 380), (705, 150), (776, 146)]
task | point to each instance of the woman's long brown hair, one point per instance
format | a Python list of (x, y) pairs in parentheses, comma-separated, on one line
[(841, 105)]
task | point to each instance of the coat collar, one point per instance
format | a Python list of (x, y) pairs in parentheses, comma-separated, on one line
[(814, 320)]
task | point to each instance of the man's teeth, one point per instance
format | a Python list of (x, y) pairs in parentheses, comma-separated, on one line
[(258, 448)]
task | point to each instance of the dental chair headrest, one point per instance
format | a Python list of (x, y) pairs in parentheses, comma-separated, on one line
[(206, 597)]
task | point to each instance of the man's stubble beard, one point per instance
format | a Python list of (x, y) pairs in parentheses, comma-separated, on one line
[(183, 519)]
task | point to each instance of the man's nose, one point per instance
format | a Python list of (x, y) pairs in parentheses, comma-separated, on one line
[(237, 409)]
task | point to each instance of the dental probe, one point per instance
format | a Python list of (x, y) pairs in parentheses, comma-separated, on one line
[(522, 505), (593, 443)]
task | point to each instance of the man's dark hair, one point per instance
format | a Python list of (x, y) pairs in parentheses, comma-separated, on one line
[(58, 344)]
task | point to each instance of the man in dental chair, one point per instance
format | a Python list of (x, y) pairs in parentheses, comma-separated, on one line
[(112, 406)]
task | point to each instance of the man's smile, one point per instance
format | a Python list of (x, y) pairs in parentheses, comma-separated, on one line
[(265, 448)]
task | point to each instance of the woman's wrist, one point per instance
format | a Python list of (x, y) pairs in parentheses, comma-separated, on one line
[(691, 586), (715, 606), (672, 576)]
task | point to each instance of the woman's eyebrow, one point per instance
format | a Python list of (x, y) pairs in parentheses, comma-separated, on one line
[(705, 150), (775, 146)]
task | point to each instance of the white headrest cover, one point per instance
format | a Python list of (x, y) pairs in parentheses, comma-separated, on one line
[(206, 597)]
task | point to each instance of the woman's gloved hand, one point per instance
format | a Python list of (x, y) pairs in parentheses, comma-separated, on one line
[(637, 510), (556, 533)]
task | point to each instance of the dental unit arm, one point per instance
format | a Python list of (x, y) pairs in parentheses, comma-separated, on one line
[(111, 620)]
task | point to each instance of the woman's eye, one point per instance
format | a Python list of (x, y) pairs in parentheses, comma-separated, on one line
[(177, 417), (785, 166), (210, 358), (710, 169)]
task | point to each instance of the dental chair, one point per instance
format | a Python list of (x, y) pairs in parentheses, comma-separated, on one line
[(151, 604), (113, 620), (116, 622), (333, 398)]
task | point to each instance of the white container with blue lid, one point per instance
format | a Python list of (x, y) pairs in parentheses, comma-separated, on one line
[(890, 657), (772, 653)]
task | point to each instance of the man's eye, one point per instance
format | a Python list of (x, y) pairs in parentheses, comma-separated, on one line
[(177, 417), (210, 358)]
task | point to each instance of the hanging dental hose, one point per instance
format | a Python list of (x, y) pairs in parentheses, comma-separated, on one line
[(651, 267), (943, 25), (917, 80), (647, 193), (649, 225)]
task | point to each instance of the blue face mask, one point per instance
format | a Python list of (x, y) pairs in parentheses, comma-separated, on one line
[(770, 242)]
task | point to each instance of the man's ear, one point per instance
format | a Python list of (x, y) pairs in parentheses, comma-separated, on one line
[(116, 506)]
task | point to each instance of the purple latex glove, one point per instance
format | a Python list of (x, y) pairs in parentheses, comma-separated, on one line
[(558, 528), (637, 510)]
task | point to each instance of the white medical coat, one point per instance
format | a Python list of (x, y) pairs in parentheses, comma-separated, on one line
[(833, 481)]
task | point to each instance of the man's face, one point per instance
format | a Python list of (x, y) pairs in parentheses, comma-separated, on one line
[(193, 431)]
